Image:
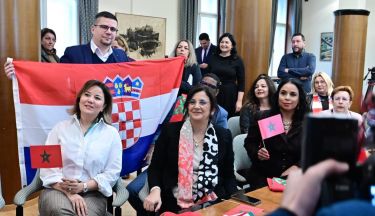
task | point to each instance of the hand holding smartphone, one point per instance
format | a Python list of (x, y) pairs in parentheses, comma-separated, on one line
[(246, 199)]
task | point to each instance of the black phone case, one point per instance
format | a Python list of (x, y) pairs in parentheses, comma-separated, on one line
[(336, 138), (247, 199)]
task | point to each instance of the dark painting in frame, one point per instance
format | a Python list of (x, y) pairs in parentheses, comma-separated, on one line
[(145, 35)]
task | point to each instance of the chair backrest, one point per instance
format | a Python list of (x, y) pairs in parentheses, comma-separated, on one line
[(241, 159), (234, 125)]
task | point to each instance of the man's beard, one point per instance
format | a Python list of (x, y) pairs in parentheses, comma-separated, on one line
[(299, 51)]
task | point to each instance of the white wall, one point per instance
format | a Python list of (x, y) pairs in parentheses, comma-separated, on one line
[(317, 17), (370, 44), (161, 8)]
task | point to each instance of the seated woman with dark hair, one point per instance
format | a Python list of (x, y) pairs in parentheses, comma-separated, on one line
[(193, 160), (92, 156), (281, 153), (259, 98)]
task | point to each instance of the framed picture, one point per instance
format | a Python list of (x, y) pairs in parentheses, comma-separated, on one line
[(144, 35), (326, 46)]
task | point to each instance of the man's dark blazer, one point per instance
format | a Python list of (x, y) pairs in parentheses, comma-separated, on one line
[(82, 54), (198, 53), (163, 170)]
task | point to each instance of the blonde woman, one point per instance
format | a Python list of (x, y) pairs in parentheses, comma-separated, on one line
[(185, 49), (321, 89)]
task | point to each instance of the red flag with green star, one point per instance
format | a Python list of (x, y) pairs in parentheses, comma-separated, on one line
[(45, 156), (271, 126)]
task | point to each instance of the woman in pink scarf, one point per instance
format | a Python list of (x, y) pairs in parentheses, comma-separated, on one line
[(193, 160)]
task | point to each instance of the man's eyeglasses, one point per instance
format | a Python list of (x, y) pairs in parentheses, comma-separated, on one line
[(105, 27), (208, 84)]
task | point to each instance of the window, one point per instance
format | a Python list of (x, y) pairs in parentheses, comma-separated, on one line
[(207, 20), (62, 17), (279, 40)]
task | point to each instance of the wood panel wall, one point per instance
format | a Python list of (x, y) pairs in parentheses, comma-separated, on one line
[(250, 24), (20, 39), (349, 51)]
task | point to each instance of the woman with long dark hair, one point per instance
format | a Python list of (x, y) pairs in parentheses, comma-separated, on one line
[(259, 98), (280, 154)]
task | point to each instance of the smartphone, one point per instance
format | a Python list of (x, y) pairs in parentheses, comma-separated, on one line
[(331, 137), (246, 199)]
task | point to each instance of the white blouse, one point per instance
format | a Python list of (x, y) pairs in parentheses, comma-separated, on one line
[(96, 155), (349, 114)]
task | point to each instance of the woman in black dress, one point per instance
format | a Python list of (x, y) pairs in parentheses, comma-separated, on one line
[(229, 67)]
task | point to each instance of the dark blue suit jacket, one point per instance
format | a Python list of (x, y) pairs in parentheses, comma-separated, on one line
[(198, 53), (82, 54)]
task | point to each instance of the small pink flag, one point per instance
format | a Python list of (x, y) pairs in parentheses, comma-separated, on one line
[(271, 126)]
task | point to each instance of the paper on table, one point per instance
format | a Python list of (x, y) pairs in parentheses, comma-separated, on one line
[(242, 210)]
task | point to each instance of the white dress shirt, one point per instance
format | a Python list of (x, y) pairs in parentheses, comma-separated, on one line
[(207, 50), (103, 56), (96, 155)]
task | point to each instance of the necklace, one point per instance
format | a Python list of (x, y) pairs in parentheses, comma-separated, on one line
[(197, 142), (287, 125)]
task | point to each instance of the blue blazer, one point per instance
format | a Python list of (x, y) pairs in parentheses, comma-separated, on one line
[(82, 54)]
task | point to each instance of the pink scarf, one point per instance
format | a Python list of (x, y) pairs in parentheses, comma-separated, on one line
[(185, 169)]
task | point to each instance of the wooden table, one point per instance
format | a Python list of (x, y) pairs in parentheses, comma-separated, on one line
[(270, 201)]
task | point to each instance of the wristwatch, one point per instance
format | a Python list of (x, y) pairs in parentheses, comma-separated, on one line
[(85, 187)]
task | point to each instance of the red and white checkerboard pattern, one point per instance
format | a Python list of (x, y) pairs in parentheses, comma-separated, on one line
[(126, 117)]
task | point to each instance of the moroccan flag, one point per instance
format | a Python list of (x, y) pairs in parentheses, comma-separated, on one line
[(276, 184), (271, 126), (45, 156), (143, 93), (178, 111)]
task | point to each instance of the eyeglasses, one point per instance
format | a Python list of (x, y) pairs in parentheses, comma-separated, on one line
[(192, 102), (105, 27), (209, 85)]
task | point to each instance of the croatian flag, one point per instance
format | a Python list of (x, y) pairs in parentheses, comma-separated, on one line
[(143, 93), (271, 126)]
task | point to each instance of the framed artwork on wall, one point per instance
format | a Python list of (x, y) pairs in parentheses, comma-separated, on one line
[(144, 35), (326, 46)]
